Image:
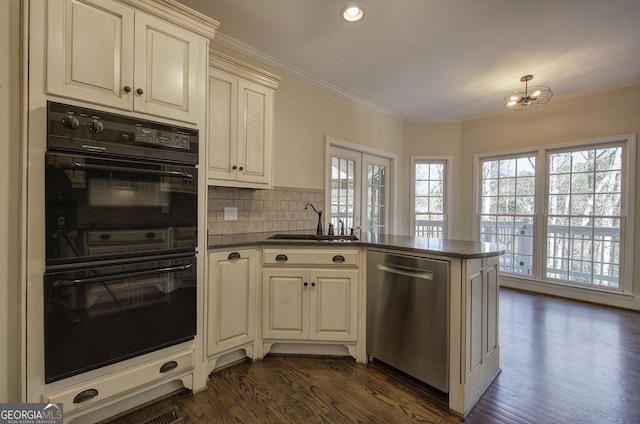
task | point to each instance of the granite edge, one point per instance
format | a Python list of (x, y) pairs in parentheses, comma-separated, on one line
[(255, 240)]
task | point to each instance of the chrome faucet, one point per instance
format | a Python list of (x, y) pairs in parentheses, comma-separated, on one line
[(319, 230)]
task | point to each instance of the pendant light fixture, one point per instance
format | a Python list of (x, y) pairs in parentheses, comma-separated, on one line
[(529, 98)]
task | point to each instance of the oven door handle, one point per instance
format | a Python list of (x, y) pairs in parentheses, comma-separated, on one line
[(134, 274), (89, 167)]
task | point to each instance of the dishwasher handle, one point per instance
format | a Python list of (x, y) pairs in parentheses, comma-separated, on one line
[(406, 271)]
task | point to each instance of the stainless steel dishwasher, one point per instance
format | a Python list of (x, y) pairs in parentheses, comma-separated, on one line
[(408, 315)]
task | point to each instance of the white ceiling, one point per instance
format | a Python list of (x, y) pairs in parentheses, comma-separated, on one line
[(439, 60)]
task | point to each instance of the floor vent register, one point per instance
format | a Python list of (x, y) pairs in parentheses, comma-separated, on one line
[(170, 416)]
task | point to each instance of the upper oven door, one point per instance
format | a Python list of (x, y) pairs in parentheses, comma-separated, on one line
[(99, 208)]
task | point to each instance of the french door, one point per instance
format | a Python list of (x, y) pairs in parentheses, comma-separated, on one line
[(358, 191)]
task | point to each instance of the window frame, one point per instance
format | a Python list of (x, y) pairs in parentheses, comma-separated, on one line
[(627, 213), (448, 190)]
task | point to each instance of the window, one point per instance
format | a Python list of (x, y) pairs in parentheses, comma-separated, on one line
[(584, 216), (429, 200), (507, 209), (562, 213), (343, 191), (358, 189)]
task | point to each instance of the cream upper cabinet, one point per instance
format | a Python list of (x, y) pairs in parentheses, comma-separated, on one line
[(110, 54), (90, 51), (240, 126), (165, 78)]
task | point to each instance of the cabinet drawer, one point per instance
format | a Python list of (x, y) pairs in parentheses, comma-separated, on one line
[(101, 389), (287, 256)]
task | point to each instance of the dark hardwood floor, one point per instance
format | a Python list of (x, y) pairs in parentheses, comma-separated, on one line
[(562, 362)]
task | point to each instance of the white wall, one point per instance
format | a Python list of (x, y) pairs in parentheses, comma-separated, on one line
[(10, 141)]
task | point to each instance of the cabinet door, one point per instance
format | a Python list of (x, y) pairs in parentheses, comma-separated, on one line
[(90, 51), (166, 69), (223, 125), (333, 305), (231, 300), (285, 306), (255, 133), (482, 292)]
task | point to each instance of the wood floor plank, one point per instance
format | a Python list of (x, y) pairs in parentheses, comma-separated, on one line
[(562, 362)]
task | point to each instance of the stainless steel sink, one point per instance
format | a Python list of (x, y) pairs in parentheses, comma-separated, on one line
[(313, 237)]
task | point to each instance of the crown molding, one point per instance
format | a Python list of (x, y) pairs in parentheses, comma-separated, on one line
[(180, 15), (241, 69), (246, 50)]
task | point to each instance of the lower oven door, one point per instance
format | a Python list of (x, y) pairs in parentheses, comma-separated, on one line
[(101, 313)]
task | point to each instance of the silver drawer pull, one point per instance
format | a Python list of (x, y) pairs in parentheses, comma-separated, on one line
[(406, 271)]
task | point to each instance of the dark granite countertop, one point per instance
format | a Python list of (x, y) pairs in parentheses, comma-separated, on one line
[(462, 249)]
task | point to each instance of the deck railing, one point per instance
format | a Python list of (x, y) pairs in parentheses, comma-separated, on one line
[(582, 254)]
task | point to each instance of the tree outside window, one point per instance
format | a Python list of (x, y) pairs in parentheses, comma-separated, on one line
[(564, 223)]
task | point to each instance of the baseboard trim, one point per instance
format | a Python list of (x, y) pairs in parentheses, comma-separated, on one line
[(618, 300)]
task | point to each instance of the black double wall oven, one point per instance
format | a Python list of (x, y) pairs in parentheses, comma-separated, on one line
[(121, 217)]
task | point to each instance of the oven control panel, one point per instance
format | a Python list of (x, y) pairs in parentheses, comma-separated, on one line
[(79, 129), (163, 138)]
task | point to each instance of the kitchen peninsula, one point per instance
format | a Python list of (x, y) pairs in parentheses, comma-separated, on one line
[(326, 280)]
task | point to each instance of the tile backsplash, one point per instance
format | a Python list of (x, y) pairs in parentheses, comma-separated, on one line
[(279, 209)]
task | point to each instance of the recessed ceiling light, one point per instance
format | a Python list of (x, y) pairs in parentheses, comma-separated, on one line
[(352, 13)]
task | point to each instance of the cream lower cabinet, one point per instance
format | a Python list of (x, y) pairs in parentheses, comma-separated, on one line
[(310, 297), (474, 331), (97, 395), (231, 306), (111, 54), (240, 124)]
